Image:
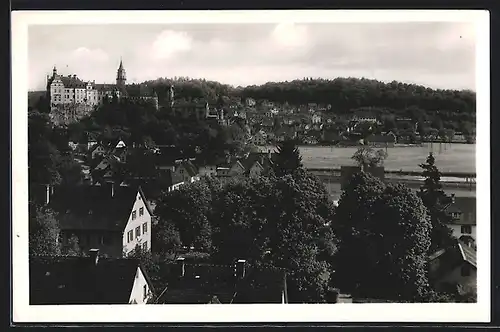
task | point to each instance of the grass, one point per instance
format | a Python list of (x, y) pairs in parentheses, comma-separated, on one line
[(452, 158)]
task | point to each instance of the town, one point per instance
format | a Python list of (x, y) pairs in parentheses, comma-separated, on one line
[(191, 191)]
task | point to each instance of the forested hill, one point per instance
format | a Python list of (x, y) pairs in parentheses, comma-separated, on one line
[(350, 93), (342, 93)]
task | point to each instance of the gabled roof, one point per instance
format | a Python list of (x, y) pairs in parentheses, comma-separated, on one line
[(78, 280), (189, 167), (202, 282), (450, 258), (93, 207), (172, 178), (467, 206), (261, 158), (72, 82)]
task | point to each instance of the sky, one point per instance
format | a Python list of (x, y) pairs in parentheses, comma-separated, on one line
[(434, 54)]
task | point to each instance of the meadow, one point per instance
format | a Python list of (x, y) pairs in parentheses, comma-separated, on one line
[(449, 157)]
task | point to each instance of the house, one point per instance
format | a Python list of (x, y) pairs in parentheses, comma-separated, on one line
[(250, 102), (316, 118), (453, 266), (364, 117), (187, 171), (236, 169), (257, 164), (208, 170), (173, 180), (97, 150), (228, 284), (463, 213), (259, 139), (114, 219), (88, 280)]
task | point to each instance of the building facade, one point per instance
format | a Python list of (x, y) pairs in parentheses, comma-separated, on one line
[(71, 90)]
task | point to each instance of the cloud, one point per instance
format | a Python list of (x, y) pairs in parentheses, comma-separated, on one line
[(437, 54), (170, 42), (290, 35), (86, 54)]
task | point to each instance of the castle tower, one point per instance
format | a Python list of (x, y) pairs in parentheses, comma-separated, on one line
[(121, 77)]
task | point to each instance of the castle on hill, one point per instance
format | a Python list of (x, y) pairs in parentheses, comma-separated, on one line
[(71, 90)]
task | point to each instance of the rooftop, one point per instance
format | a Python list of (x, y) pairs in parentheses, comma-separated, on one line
[(94, 207), (79, 280), (202, 282)]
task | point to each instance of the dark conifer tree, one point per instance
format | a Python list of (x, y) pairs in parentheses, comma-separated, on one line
[(436, 201), (287, 159)]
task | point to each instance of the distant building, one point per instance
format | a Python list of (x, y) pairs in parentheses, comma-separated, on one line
[(88, 280), (463, 213), (187, 171), (250, 102), (71, 90), (259, 139)]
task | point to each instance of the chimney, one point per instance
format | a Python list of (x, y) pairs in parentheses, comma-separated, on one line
[(181, 266), (47, 195), (240, 268), (94, 256)]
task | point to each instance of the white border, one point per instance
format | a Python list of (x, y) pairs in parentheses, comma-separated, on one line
[(23, 312)]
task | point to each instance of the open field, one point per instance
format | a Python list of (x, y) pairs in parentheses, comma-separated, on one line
[(449, 158)]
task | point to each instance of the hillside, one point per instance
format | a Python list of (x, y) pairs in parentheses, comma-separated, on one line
[(342, 93)]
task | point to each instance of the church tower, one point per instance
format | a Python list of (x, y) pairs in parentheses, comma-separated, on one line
[(121, 77)]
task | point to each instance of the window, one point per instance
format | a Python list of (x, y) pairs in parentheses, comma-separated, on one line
[(145, 291), (144, 228), (466, 229), (130, 236), (141, 211), (145, 246), (465, 271), (134, 215), (137, 231)]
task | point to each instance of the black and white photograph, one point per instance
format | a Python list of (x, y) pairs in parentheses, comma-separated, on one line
[(304, 163)]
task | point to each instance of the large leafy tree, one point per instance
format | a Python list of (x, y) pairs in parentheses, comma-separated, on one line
[(436, 201), (367, 157), (287, 159), (385, 237), (245, 223), (43, 231), (188, 208)]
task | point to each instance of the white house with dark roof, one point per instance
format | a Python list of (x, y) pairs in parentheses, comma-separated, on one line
[(114, 219), (463, 213)]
